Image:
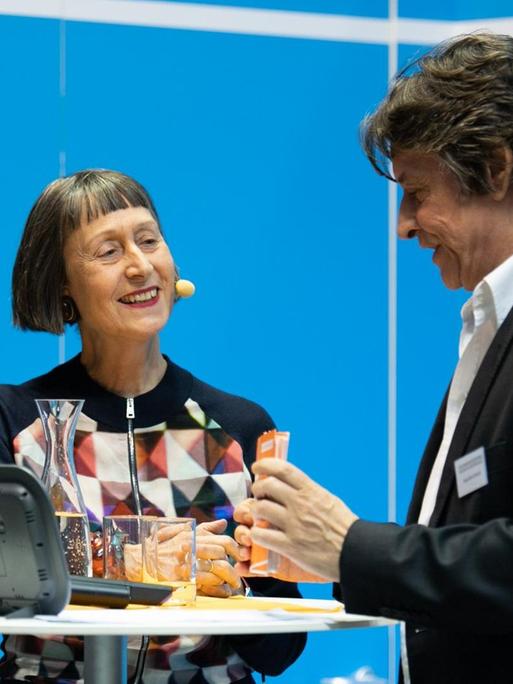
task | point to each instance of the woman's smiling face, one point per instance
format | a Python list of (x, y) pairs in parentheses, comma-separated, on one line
[(121, 275)]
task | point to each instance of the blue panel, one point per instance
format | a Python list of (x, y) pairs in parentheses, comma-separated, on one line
[(436, 9), (250, 148), (455, 10), (477, 9), (29, 120), (337, 654), (371, 8), (428, 334)]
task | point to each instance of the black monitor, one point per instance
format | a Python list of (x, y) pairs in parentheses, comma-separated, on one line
[(33, 571)]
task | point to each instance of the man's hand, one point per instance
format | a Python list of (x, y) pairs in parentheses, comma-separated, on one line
[(309, 523), (243, 514)]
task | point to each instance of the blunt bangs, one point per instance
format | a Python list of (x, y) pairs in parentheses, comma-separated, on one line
[(39, 273)]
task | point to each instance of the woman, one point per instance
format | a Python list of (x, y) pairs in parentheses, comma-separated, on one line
[(93, 254)]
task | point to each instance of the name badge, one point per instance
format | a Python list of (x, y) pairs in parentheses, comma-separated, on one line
[(471, 472)]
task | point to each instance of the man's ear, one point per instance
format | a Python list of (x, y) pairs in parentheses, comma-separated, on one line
[(499, 170)]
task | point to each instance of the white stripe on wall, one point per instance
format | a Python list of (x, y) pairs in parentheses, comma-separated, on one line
[(393, 59), (240, 20), (392, 293), (62, 140)]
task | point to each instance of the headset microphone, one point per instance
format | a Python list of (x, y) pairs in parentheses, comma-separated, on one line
[(184, 288)]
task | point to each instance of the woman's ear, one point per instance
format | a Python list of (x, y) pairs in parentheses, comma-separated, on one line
[(498, 171)]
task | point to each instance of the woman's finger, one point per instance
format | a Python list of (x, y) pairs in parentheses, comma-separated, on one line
[(210, 552), (221, 591), (226, 572), (229, 545), (172, 531), (207, 579), (212, 527)]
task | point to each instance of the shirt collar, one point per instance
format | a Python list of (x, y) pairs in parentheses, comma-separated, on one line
[(491, 300), (499, 282)]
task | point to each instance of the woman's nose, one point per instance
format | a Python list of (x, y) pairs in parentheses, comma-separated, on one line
[(139, 265)]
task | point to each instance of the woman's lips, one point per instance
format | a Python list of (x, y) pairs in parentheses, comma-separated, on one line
[(141, 299)]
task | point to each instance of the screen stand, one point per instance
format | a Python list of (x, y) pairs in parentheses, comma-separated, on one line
[(24, 612)]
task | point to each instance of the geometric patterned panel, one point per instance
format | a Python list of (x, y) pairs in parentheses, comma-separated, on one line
[(29, 448), (189, 467), (192, 468)]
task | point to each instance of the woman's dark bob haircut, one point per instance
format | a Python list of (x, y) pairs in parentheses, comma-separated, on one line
[(456, 101), (39, 274)]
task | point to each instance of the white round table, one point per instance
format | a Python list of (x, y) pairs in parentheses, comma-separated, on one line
[(105, 631)]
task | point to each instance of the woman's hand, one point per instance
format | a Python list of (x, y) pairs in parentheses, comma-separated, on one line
[(216, 576), (133, 562), (215, 554)]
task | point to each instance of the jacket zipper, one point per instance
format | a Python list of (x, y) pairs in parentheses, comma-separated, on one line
[(132, 460), (136, 495)]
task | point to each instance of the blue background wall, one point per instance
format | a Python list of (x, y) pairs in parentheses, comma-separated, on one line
[(249, 146)]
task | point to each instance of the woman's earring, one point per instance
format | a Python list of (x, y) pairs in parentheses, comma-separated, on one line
[(184, 289), (69, 310)]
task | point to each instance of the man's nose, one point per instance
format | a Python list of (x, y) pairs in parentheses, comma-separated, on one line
[(406, 224)]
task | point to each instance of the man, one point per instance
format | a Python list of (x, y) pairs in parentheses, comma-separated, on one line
[(447, 128)]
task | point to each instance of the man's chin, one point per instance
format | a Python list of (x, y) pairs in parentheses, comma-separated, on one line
[(451, 281)]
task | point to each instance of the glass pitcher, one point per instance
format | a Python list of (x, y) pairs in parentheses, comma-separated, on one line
[(59, 418)]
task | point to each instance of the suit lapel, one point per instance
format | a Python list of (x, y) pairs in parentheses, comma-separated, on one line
[(471, 410), (426, 464)]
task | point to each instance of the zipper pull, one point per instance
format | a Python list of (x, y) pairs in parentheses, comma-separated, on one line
[(130, 407)]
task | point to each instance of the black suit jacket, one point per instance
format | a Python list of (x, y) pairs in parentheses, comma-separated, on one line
[(451, 582)]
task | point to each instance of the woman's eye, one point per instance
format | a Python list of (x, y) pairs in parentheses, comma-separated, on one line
[(107, 253), (149, 242)]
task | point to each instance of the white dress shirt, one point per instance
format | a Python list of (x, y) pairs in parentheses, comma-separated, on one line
[(482, 315)]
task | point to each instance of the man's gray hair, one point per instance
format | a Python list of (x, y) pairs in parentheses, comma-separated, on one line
[(455, 101)]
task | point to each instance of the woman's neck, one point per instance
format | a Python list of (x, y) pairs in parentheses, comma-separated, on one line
[(128, 369)]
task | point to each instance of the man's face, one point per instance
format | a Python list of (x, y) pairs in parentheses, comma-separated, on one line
[(463, 231)]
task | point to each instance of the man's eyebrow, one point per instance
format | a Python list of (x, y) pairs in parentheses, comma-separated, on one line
[(410, 178), (407, 177)]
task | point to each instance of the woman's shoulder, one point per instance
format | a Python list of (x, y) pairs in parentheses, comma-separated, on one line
[(234, 413), (49, 381), (213, 397), (17, 406), (242, 418), (47, 385)]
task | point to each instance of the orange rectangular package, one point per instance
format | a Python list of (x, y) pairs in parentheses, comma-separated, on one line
[(266, 563)]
